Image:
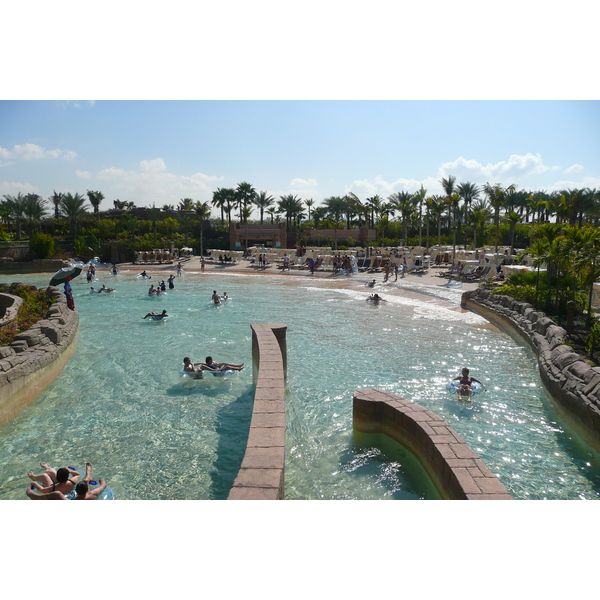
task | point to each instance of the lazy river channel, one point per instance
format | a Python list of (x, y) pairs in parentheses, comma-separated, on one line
[(120, 404)]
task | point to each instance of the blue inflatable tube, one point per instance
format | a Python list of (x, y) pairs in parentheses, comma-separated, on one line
[(453, 387), (194, 376)]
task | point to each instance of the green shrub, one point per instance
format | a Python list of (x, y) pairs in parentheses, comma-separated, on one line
[(34, 308), (42, 245)]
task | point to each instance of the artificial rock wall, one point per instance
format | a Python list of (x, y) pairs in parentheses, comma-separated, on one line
[(568, 379), (36, 356)]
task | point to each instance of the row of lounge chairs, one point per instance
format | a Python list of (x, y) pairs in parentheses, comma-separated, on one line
[(474, 275)]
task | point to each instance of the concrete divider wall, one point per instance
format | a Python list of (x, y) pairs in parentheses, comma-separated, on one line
[(566, 376), (455, 469), (36, 356), (261, 475)]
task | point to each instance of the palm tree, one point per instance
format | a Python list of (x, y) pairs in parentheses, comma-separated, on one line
[(154, 214), (290, 206), (263, 202), (437, 206), (449, 185), (244, 197), (16, 205), (544, 249), (309, 204), (272, 211), (33, 211), (72, 207), (335, 207), (373, 204), (496, 195), (130, 223), (224, 200), (469, 192), (404, 202), (387, 210), (454, 209), (419, 198), (5, 212), (512, 218), (586, 263), (353, 207), (95, 198), (55, 199), (203, 213), (319, 214), (186, 204), (478, 216), (186, 222)]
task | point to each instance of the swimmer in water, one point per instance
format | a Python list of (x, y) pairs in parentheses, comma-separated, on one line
[(210, 365), (465, 383)]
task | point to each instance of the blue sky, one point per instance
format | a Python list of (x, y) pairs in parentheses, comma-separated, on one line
[(158, 152), (319, 99)]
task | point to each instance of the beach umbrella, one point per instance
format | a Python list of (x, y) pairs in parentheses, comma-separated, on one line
[(65, 274)]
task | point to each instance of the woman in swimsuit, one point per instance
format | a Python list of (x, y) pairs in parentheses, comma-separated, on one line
[(81, 489), (54, 481), (465, 382)]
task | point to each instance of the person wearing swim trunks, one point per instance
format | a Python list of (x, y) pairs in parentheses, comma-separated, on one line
[(156, 316), (52, 480), (215, 297), (190, 367), (210, 365)]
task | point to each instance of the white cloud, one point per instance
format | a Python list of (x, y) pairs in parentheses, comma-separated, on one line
[(573, 169), (83, 174), (365, 188), (156, 165), (300, 184), (505, 171), (12, 188), (153, 184), (35, 152), (570, 184)]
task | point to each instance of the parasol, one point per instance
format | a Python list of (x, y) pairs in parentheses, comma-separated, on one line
[(65, 274)]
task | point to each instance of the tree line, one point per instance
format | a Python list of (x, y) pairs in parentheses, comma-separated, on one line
[(464, 213)]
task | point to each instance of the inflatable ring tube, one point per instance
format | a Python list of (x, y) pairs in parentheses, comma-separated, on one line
[(190, 375), (453, 386), (107, 494), (219, 373)]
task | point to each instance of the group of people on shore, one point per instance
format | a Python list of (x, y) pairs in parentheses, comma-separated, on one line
[(55, 484)]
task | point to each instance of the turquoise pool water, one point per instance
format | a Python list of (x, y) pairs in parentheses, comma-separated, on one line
[(120, 403)]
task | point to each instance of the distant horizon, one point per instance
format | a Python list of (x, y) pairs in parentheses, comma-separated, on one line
[(159, 152)]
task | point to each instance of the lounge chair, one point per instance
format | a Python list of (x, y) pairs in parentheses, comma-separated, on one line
[(366, 265), (474, 276)]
